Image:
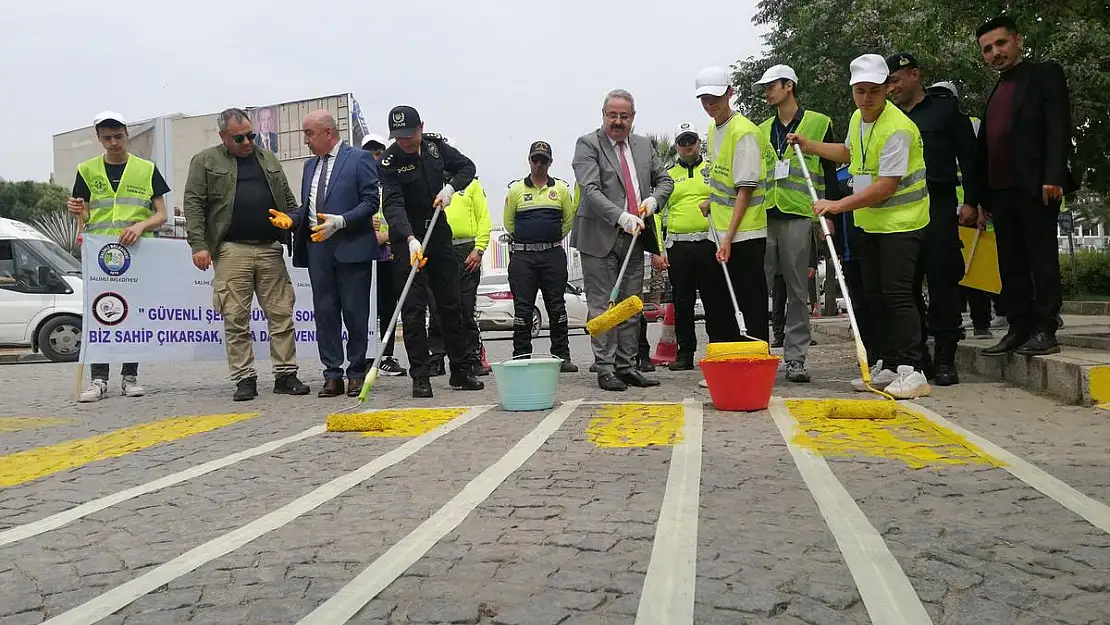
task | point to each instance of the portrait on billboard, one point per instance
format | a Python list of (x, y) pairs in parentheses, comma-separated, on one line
[(266, 125)]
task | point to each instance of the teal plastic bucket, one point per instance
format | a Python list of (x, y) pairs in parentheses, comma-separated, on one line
[(526, 384)]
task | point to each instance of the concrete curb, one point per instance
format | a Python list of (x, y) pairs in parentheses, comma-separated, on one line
[(1085, 308), (22, 359), (1075, 375)]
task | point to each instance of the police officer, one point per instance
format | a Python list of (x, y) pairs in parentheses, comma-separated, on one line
[(539, 211), (412, 174), (948, 137)]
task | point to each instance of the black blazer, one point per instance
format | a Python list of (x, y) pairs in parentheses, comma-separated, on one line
[(1041, 130)]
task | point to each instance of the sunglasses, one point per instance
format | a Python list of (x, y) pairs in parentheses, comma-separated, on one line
[(686, 140), (540, 160), (241, 138)]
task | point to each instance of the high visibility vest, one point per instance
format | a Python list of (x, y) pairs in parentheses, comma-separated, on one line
[(791, 194), (908, 208), (468, 215), (110, 212), (538, 214), (690, 190), (722, 188)]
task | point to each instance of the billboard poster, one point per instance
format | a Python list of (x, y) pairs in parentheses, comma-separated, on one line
[(359, 129), (265, 121)]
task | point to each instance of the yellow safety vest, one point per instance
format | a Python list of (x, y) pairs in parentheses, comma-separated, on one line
[(539, 214), (683, 211), (110, 212), (791, 194), (908, 208), (722, 193), (468, 216)]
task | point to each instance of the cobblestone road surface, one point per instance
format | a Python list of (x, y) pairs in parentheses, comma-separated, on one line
[(585, 514)]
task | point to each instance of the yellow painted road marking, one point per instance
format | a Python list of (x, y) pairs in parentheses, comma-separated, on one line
[(412, 422), (636, 425), (908, 437), (19, 424), (32, 464), (1098, 384)]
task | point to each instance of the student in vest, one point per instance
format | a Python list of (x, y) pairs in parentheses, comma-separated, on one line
[(735, 207), (117, 194), (891, 202), (790, 216)]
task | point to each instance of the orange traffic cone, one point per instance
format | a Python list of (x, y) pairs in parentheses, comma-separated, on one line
[(484, 368), (666, 351)]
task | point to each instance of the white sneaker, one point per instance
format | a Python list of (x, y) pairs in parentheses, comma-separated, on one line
[(131, 387), (879, 378), (910, 384), (95, 391)]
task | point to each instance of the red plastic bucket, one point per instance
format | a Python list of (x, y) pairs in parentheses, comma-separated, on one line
[(737, 383)]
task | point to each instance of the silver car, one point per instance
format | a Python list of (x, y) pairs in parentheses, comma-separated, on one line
[(494, 307)]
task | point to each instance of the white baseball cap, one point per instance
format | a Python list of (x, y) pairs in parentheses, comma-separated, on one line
[(712, 81), (869, 68), (773, 73), (944, 84), (373, 137), (106, 115), (685, 128)]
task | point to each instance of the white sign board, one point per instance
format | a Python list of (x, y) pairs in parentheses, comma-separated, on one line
[(148, 303)]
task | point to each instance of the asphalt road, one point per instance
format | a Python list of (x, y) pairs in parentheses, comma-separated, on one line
[(982, 504)]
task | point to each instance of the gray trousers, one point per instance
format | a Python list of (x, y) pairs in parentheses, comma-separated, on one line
[(614, 351), (788, 251)]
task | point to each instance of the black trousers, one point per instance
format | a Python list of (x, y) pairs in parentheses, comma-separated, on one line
[(99, 371), (529, 274), (468, 285), (1028, 260), (693, 270), (853, 277), (979, 305), (888, 264), (778, 307), (942, 266), (441, 276), (745, 267), (389, 289)]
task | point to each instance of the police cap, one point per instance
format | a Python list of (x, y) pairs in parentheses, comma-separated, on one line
[(901, 61), (403, 121), (540, 148)]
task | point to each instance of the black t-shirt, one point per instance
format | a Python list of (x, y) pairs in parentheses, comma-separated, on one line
[(115, 174), (250, 216)]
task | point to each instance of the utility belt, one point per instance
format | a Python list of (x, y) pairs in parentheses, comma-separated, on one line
[(534, 247), (462, 241), (692, 236)]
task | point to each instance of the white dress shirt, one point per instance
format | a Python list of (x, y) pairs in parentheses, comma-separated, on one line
[(316, 181), (635, 190)]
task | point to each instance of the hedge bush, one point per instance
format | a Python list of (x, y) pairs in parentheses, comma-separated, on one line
[(1091, 275)]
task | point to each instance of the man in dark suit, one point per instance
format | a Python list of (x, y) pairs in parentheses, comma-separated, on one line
[(333, 236), (1024, 147), (623, 182)]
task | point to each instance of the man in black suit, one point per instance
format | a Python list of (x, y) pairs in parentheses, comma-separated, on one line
[(1024, 147)]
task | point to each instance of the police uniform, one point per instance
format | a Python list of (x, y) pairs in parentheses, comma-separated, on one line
[(538, 218), (410, 184), (948, 137)]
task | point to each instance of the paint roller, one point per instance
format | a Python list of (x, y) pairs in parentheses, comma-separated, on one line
[(617, 313)]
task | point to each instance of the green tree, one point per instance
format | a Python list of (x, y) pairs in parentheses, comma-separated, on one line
[(664, 147), (27, 200), (819, 39)]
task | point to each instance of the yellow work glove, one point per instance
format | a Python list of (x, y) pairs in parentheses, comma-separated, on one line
[(280, 220), (416, 253)]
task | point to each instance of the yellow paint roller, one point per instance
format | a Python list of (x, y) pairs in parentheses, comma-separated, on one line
[(617, 313), (859, 409)]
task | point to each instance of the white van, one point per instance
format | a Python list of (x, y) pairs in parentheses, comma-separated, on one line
[(40, 293)]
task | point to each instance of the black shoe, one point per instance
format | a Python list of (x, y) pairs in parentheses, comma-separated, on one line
[(462, 379), (682, 363), (645, 364), (1009, 343), (568, 366), (289, 384), (593, 368), (1040, 344), (777, 342), (610, 382), (421, 388), (246, 389), (946, 375), (633, 378), (390, 366), (436, 369), (481, 370)]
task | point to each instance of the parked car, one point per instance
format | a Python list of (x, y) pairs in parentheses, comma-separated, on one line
[(494, 307), (653, 312)]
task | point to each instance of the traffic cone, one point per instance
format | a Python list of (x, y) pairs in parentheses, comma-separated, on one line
[(485, 368), (666, 351)]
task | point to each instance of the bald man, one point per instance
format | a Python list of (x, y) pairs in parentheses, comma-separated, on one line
[(333, 236)]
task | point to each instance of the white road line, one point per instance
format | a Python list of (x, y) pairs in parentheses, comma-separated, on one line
[(54, 521), (103, 605), (1097, 513), (626, 403), (668, 595), (390, 565), (886, 591)]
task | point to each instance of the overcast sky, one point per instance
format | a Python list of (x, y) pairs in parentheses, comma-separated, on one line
[(493, 75)]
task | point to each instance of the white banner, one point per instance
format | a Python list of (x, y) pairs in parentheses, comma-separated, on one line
[(148, 303)]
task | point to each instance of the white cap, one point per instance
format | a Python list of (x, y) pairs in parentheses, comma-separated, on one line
[(685, 128), (773, 73), (712, 81), (373, 137), (106, 115), (944, 84), (869, 68)]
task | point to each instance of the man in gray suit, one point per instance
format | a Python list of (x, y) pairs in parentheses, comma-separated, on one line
[(617, 172)]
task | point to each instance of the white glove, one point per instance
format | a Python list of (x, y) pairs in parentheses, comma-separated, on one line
[(327, 226), (444, 197), (416, 253), (630, 223), (647, 209)]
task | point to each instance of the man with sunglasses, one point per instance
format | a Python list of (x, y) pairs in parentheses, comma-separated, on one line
[(235, 199), (539, 211)]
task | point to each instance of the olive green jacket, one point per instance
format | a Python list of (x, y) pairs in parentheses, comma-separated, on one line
[(210, 194)]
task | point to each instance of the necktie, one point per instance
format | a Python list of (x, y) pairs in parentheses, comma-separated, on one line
[(626, 173), (322, 186)]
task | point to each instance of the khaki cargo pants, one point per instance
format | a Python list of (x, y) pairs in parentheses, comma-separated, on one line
[(243, 271)]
